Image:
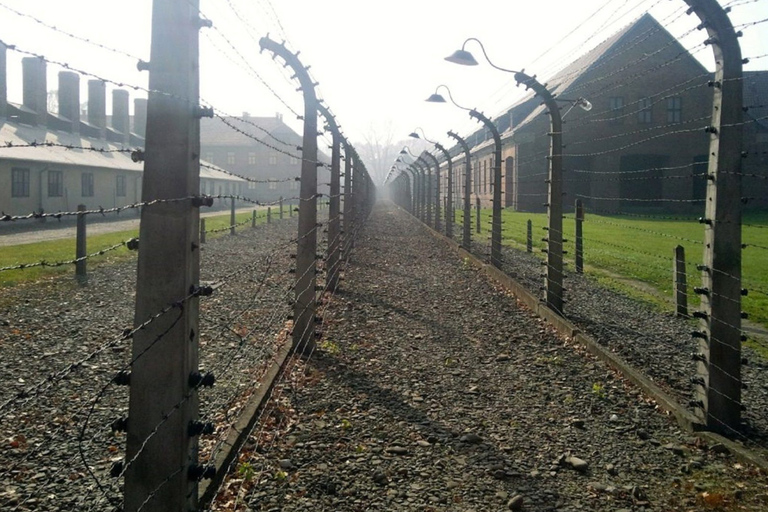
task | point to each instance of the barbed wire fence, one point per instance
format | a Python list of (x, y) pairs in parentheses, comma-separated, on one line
[(84, 435), (642, 202)]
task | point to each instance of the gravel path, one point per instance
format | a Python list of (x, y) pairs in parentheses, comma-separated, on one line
[(46, 326), (657, 343), (434, 390)]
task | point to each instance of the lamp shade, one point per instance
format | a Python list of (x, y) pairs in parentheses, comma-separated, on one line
[(414, 135), (436, 98), (462, 57)]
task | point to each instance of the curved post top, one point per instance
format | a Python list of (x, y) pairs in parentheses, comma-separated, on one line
[(488, 124), (292, 60), (330, 119)]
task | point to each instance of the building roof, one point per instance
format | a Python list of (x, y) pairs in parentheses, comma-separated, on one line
[(218, 132), (18, 134), (21, 134), (566, 81)]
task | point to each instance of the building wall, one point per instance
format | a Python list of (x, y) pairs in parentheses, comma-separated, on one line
[(105, 190)]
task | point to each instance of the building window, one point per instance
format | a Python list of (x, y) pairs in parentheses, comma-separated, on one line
[(251, 158), (617, 109), (674, 109), (272, 159), (209, 157), (644, 114), (55, 184), (272, 185), (120, 186), (294, 185), (294, 160), (86, 181), (19, 182), (230, 158), (251, 185)]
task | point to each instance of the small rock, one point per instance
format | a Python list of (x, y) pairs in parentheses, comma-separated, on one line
[(613, 418), (502, 495), (642, 434), (516, 503), (674, 448), (397, 450), (578, 423), (380, 478), (502, 357), (471, 439), (423, 443), (718, 448), (611, 469), (578, 464), (286, 464)]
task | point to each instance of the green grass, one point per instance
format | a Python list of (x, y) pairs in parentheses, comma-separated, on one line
[(635, 254), (64, 250)]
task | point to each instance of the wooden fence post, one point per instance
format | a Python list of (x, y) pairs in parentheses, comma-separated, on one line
[(679, 280), (579, 237), (529, 238), (477, 209), (81, 247), (232, 217)]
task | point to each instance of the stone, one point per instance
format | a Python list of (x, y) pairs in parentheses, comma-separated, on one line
[(502, 357), (611, 469), (397, 450), (286, 464), (674, 448), (578, 464), (516, 503), (471, 438)]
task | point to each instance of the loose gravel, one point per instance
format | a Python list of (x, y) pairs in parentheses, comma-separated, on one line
[(655, 342), (48, 325), (433, 390)]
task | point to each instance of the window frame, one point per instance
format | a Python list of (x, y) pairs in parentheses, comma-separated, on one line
[(674, 109), (121, 185), (55, 183), (20, 187), (87, 184)]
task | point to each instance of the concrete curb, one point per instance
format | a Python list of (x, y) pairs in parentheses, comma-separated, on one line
[(684, 418)]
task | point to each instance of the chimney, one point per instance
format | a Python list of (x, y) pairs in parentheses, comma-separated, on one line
[(97, 106), (120, 116), (3, 83), (35, 91), (140, 117), (69, 99)]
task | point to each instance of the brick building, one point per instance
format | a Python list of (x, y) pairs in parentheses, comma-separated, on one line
[(642, 146), (262, 148)]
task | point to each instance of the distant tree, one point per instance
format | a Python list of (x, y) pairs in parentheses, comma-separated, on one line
[(379, 149)]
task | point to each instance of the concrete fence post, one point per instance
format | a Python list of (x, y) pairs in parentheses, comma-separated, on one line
[(269, 215), (161, 467), (202, 230), (306, 252), (253, 219), (81, 267), (718, 381), (281, 207)]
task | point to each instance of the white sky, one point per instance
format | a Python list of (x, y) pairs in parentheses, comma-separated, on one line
[(376, 61)]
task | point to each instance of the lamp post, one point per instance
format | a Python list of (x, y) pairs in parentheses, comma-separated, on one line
[(554, 279), (449, 186), (467, 240), (496, 222), (426, 185), (334, 210)]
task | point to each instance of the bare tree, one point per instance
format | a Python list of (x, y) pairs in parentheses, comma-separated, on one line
[(380, 149)]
